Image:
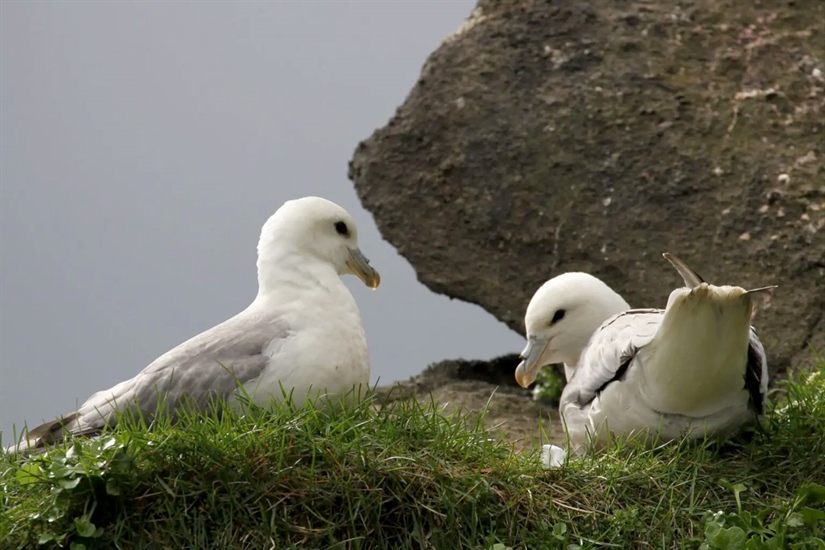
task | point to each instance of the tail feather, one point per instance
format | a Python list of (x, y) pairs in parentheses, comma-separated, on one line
[(39, 439)]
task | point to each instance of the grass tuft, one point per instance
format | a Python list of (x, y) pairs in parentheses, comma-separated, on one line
[(408, 476)]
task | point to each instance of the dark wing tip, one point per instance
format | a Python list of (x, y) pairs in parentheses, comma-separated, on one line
[(691, 278), (753, 378), (37, 440)]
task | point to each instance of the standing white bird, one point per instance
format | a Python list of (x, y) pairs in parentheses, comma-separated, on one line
[(302, 333), (696, 368)]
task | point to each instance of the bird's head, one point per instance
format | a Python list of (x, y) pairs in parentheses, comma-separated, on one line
[(313, 229), (561, 317)]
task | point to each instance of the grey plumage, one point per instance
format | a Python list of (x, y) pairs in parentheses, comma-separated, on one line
[(695, 368), (209, 366), (617, 344), (302, 333)]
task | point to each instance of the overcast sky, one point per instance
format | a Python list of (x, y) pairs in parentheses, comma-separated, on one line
[(143, 145)]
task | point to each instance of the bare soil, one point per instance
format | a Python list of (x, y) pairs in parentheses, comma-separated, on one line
[(510, 412)]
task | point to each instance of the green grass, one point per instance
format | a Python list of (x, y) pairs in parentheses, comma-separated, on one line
[(407, 477)]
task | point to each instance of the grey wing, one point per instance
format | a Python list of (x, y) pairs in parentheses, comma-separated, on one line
[(207, 366), (609, 353), (210, 365), (756, 373)]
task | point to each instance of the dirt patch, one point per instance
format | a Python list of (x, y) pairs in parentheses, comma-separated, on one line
[(475, 386)]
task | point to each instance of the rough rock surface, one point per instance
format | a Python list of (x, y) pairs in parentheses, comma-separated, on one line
[(552, 136)]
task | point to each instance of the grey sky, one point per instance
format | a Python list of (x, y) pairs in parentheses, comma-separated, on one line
[(143, 145)]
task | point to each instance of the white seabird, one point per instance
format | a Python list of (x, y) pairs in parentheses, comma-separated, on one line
[(695, 369), (302, 333)]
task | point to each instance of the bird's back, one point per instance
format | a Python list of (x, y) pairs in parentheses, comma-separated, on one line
[(610, 393)]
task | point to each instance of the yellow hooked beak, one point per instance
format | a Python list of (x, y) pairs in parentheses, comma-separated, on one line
[(528, 369), (360, 266)]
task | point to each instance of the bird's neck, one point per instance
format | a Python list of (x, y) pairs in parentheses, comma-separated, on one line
[(597, 314), (570, 369), (294, 273)]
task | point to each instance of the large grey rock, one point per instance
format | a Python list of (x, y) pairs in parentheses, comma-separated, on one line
[(551, 136)]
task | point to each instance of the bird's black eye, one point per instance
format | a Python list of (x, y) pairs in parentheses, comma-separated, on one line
[(558, 316), (342, 228)]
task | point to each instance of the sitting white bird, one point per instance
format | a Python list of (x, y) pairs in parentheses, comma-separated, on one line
[(302, 334), (695, 369)]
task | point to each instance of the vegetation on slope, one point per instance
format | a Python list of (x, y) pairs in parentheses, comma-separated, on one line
[(406, 476)]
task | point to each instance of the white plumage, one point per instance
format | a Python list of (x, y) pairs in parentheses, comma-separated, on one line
[(696, 368), (302, 333)]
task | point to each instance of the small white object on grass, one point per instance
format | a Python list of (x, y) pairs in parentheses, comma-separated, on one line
[(302, 334), (696, 368), (553, 456)]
